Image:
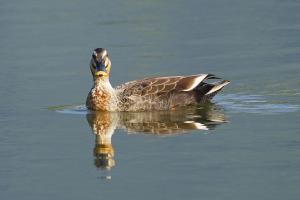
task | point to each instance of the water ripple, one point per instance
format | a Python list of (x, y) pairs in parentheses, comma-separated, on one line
[(243, 103), (71, 109), (235, 103)]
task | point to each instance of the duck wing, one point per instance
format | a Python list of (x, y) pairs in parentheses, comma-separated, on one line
[(161, 93)]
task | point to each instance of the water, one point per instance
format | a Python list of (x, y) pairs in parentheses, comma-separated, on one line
[(50, 151)]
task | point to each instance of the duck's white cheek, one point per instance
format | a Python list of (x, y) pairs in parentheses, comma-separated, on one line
[(107, 61)]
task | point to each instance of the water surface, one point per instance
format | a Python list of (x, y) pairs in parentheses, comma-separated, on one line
[(250, 152)]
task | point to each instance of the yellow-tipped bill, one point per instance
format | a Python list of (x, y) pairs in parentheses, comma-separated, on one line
[(101, 73)]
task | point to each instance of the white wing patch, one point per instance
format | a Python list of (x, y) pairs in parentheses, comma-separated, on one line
[(196, 82)]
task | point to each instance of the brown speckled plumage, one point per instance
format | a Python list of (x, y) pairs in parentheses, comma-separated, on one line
[(99, 99), (159, 93)]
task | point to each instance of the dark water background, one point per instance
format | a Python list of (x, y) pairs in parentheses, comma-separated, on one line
[(45, 47)]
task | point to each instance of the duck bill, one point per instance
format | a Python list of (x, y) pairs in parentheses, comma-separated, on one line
[(101, 74)]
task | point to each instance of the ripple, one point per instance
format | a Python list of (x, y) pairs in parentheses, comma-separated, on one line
[(71, 109), (243, 103), (235, 103)]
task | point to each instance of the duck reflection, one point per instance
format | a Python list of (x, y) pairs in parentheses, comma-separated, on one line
[(161, 123), (173, 122), (103, 125)]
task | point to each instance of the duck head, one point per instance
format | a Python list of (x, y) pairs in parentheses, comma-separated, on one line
[(100, 64)]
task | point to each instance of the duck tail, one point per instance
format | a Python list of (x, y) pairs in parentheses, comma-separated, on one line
[(206, 91), (215, 88)]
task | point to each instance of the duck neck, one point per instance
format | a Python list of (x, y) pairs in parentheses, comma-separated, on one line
[(103, 84)]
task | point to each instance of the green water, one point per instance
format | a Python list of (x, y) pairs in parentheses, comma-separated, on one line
[(248, 142)]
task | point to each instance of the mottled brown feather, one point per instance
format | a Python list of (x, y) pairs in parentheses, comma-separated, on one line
[(160, 93)]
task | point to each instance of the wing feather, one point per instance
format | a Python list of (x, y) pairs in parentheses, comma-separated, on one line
[(165, 92), (160, 85)]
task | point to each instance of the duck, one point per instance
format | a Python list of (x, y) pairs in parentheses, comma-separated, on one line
[(148, 94)]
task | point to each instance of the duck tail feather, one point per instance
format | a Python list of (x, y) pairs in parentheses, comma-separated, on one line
[(217, 87)]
